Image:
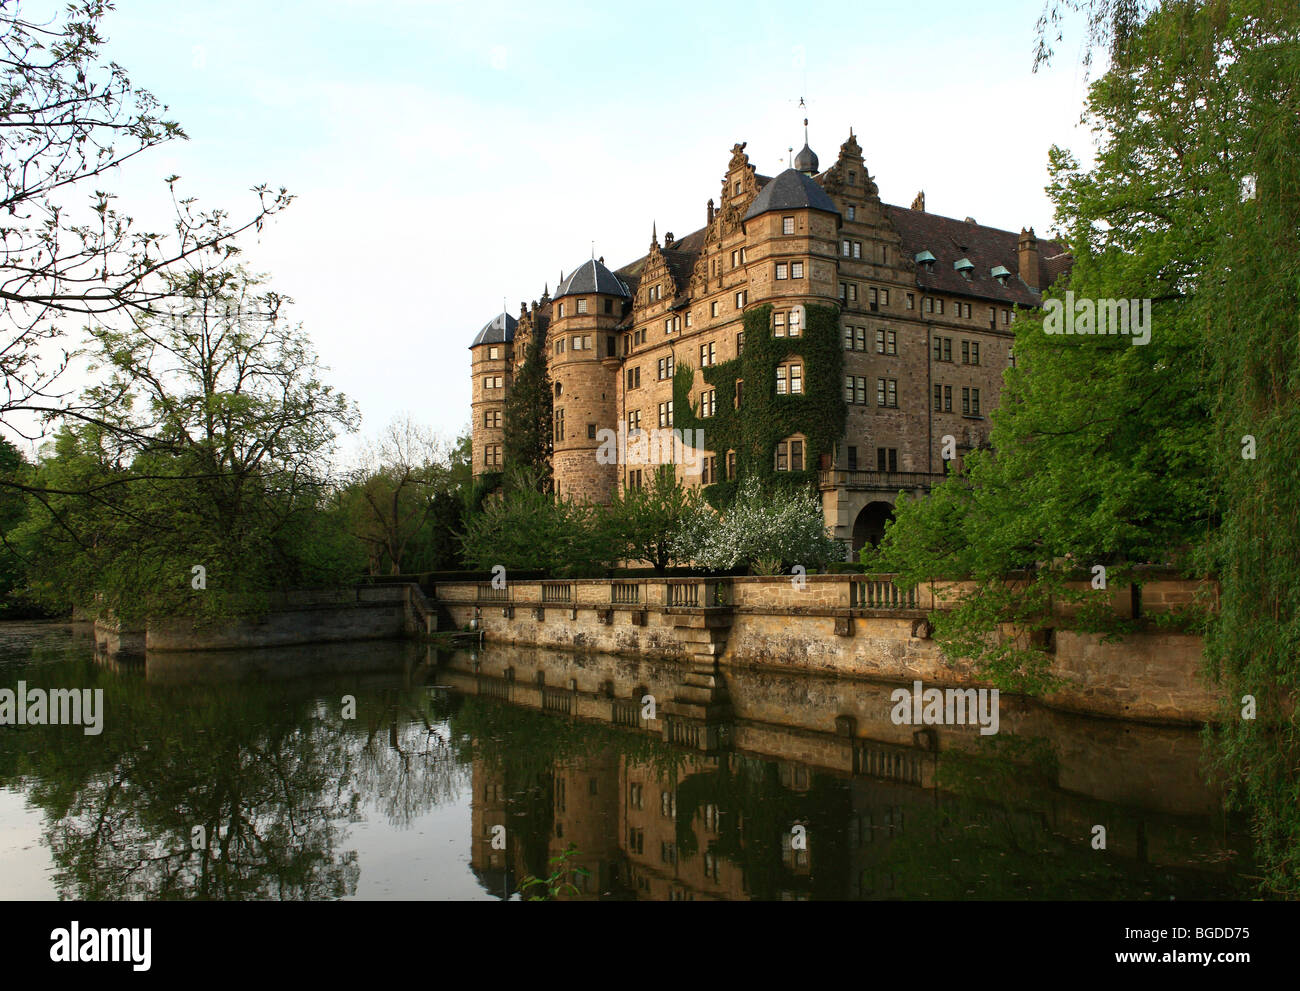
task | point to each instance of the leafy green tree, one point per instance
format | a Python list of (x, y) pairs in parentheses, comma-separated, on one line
[(523, 528), (1121, 455), (215, 456), (529, 409), (645, 520)]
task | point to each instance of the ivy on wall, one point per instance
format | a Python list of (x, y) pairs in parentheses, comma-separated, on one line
[(765, 418)]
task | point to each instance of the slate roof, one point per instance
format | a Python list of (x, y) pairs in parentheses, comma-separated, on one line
[(499, 330), (592, 277), (791, 190), (806, 160), (987, 247)]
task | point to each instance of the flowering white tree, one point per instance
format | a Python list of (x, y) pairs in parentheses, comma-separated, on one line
[(764, 529)]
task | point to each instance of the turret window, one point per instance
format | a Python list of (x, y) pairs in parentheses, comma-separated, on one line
[(796, 270), (787, 225), (782, 271), (582, 306), (494, 353), (789, 379)]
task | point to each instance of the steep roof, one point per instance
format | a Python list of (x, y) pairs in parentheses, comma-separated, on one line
[(951, 240), (592, 277), (791, 190), (499, 330)]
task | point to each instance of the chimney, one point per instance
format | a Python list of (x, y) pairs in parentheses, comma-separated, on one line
[(919, 202), (668, 240), (1027, 248)]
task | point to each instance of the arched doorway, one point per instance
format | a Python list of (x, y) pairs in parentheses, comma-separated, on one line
[(869, 527)]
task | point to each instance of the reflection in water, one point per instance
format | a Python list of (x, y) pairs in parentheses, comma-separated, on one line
[(747, 785)]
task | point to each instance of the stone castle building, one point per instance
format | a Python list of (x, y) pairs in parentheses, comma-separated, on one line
[(924, 306)]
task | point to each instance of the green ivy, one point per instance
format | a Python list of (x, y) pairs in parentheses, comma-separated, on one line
[(765, 418)]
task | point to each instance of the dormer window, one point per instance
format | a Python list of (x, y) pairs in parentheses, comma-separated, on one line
[(925, 259), (1001, 274), (965, 266)]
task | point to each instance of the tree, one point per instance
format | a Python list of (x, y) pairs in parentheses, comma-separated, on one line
[(396, 491), (645, 520), (69, 120), (764, 528), (1180, 452), (529, 409), (213, 456), (523, 528)]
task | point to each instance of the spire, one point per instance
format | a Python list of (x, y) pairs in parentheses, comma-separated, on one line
[(654, 234), (806, 160)]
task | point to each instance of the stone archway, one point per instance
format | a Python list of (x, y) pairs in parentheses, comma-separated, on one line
[(869, 527)]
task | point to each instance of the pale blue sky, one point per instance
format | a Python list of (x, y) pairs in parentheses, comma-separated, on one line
[(448, 154)]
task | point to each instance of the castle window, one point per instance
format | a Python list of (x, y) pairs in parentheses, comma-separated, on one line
[(731, 464), (796, 270), (947, 399), (911, 301), (609, 306), (735, 258), (853, 213), (778, 324), (688, 318), (492, 382), (855, 389), (634, 479), (591, 431), (633, 378), (965, 401), (558, 388), (789, 455), (582, 306), (740, 343), (633, 421), (975, 402), (795, 329), (1011, 359), (666, 414), (853, 458), (666, 368), (1006, 317), (559, 424), (677, 324), (491, 455), (939, 305), (845, 247), (848, 338), (862, 338), (884, 297), (886, 459), (742, 298), (880, 342), (857, 249), (887, 393), (929, 304), (872, 296), (938, 398), (965, 352), (740, 392), (714, 308), (668, 326), (853, 178), (494, 353), (708, 402), (782, 271), (736, 188), (708, 353), (787, 225), (891, 342), (789, 378)]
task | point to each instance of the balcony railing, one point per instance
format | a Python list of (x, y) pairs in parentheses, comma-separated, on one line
[(490, 593), (879, 481), (876, 594), (557, 592), (625, 593)]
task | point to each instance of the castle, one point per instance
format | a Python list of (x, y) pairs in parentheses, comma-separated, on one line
[(877, 335)]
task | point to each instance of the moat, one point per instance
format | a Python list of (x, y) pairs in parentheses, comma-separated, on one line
[(389, 770)]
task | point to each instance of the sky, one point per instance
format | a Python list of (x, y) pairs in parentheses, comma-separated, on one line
[(447, 156)]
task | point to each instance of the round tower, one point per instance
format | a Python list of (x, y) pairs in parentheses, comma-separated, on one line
[(491, 362), (584, 366)]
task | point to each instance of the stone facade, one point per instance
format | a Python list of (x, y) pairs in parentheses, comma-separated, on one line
[(926, 306)]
